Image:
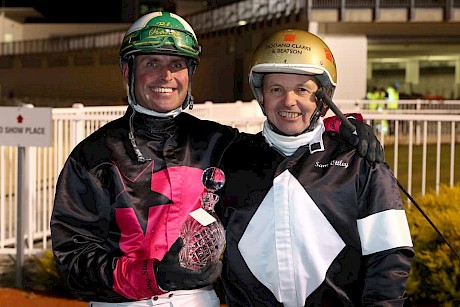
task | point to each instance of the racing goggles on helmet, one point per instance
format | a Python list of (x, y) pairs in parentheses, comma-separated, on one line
[(159, 39)]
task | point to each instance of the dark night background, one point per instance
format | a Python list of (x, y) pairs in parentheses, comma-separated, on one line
[(65, 11), (92, 11)]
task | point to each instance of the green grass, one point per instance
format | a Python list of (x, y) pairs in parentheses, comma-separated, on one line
[(417, 157)]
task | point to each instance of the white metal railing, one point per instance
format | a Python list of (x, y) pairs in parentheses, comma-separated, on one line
[(418, 125)]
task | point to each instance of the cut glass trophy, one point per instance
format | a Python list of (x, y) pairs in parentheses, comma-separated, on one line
[(203, 233)]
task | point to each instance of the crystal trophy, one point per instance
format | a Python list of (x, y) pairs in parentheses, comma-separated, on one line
[(203, 233)]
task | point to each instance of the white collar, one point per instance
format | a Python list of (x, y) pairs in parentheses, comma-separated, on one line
[(146, 111), (289, 144)]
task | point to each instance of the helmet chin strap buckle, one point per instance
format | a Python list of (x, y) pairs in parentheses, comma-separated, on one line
[(319, 111), (190, 103)]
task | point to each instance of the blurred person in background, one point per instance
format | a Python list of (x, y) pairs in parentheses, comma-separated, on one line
[(376, 103), (392, 96), (392, 103), (372, 95)]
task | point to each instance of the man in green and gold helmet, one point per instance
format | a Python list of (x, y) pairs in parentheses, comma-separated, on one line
[(127, 189), (159, 33)]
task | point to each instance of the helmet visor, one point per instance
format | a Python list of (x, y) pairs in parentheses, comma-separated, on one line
[(162, 40)]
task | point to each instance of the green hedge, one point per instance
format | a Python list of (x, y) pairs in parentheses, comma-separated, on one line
[(435, 274)]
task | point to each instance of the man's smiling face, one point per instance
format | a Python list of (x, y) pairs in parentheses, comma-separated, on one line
[(161, 81), (289, 101)]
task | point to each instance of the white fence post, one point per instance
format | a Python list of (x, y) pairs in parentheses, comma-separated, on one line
[(78, 129), (418, 137)]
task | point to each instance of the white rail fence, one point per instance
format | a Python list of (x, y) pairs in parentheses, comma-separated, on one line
[(419, 125)]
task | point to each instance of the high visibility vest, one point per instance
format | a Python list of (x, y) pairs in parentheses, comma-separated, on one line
[(372, 96), (393, 97)]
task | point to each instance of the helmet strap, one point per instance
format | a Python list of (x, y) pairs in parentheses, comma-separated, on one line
[(315, 116), (188, 101), (320, 110), (140, 157), (131, 74), (260, 99), (191, 100)]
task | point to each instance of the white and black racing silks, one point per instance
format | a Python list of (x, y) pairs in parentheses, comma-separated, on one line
[(323, 227), (115, 218)]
